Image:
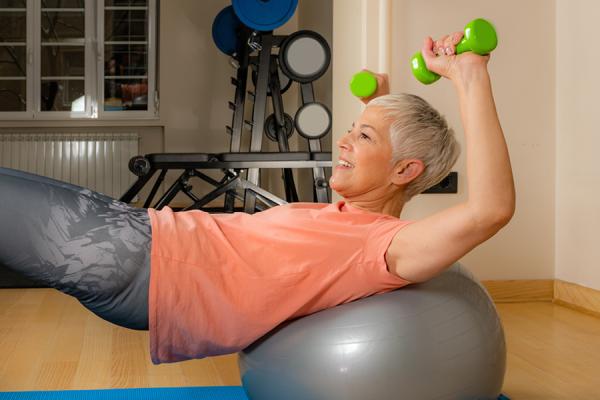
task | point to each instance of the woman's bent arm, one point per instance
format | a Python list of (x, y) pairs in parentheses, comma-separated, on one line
[(425, 248)]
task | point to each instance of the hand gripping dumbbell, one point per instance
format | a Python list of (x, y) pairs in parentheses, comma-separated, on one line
[(363, 84), (479, 37)]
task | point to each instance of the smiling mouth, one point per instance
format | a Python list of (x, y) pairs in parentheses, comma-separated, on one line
[(344, 164)]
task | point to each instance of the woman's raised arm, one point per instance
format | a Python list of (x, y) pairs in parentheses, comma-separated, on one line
[(425, 248)]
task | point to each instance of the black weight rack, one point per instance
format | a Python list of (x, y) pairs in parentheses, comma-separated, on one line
[(256, 54)]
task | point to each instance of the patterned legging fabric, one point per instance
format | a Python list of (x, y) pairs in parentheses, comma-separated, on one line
[(80, 242)]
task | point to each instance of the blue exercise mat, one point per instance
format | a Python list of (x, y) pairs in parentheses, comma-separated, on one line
[(195, 393)]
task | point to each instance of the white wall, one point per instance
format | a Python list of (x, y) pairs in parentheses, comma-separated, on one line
[(523, 82), (577, 143)]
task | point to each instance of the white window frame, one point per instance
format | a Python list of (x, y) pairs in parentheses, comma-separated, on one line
[(94, 69), (152, 112), (88, 71), (28, 113)]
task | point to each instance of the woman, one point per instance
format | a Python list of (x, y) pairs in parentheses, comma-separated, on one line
[(212, 284)]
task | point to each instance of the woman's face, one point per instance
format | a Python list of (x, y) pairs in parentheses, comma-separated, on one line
[(368, 150)]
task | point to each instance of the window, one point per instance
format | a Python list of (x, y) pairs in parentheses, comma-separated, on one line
[(129, 84), (62, 58), (65, 59), (13, 56)]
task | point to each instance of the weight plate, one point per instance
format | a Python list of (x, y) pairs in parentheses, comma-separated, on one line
[(264, 15), (304, 56), (225, 31), (271, 127), (139, 165), (313, 120)]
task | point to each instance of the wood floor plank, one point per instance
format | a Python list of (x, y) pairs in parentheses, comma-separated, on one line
[(48, 341), (553, 352)]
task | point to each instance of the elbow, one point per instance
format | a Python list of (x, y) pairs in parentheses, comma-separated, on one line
[(492, 219), (496, 220), (507, 212), (497, 214), (503, 218)]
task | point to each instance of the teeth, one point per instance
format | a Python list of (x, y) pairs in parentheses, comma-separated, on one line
[(345, 164)]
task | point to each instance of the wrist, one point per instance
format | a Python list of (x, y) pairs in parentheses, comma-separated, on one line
[(468, 75)]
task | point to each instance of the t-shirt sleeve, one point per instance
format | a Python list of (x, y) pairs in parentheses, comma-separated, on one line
[(378, 241)]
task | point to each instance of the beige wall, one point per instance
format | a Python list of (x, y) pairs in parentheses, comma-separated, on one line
[(316, 15), (194, 81), (525, 98), (577, 144)]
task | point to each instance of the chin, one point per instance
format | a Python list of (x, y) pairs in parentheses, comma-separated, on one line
[(343, 192), (335, 186)]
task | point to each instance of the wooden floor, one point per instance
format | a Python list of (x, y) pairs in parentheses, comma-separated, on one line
[(48, 341)]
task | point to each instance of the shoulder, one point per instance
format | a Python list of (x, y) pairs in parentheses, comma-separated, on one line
[(305, 206)]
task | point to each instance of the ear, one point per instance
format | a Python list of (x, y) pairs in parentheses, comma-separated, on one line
[(407, 171)]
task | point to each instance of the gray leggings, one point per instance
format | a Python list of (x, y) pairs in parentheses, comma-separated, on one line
[(80, 242)]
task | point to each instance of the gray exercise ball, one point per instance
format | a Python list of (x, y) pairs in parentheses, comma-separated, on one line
[(440, 340)]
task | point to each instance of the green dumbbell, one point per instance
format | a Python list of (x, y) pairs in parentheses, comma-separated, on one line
[(480, 38), (363, 84)]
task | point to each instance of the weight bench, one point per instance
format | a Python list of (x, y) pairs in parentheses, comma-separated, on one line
[(232, 185)]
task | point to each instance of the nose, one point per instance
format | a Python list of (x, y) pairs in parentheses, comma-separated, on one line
[(342, 142)]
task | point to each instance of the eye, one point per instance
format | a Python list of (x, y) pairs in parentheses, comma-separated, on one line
[(363, 135)]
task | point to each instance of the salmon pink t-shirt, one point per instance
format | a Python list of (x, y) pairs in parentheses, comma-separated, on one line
[(221, 281)]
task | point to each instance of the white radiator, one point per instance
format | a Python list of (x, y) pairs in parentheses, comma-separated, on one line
[(97, 161)]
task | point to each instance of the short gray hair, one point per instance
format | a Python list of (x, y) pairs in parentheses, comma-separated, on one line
[(418, 131)]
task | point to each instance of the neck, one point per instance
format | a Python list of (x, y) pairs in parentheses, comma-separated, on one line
[(389, 206)]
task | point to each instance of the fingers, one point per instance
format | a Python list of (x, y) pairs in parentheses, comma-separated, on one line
[(382, 79), (447, 44), (428, 49), (440, 55), (440, 46), (451, 42), (457, 37)]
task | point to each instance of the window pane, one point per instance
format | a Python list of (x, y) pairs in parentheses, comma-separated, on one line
[(125, 60), (125, 94), (13, 26), (13, 4), (63, 61), (63, 95), (62, 3), (125, 25), (12, 61), (62, 26), (13, 95), (125, 3)]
